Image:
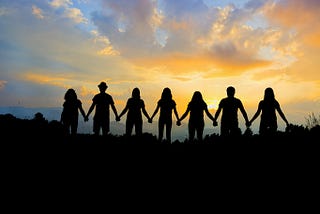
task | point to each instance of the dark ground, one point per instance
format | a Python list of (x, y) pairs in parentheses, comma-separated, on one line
[(41, 167)]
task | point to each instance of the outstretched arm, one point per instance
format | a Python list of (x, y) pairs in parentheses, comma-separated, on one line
[(184, 114), (217, 113), (209, 115), (90, 110), (256, 114), (82, 112), (244, 114), (282, 115), (115, 111), (155, 112), (177, 116), (176, 113), (146, 113), (123, 112)]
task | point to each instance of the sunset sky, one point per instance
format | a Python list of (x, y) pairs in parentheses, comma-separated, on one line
[(48, 46)]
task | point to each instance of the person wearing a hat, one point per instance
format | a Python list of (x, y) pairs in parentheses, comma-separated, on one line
[(102, 102)]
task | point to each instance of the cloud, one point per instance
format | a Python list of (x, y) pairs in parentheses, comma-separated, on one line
[(44, 79), (76, 15), (302, 16), (72, 13), (37, 12), (188, 36), (104, 42), (300, 36), (60, 3)]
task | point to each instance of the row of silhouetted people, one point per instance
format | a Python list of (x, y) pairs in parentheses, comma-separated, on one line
[(196, 108)]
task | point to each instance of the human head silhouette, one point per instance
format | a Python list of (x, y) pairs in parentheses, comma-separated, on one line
[(70, 94), (197, 96), (136, 93), (268, 94), (231, 91), (166, 94), (103, 86)]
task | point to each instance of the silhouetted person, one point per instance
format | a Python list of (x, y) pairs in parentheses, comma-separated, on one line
[(102, 102), (268, 106), (134, 107), (229, 106), (196, 107), (70, 113), (166, 105)]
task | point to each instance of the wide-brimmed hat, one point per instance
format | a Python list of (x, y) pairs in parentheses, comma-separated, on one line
[(103, 85)]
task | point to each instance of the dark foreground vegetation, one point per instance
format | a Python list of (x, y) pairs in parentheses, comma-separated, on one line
[(40, 165), (41, 136), (37, 152)]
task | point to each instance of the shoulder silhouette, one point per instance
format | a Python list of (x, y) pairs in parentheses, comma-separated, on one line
[(70, 113), (166, 105), (196, 107), (229, 106), (101, 102), (268, 107), (134, 109)]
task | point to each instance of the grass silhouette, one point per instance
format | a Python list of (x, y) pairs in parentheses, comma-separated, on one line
[(38, 133)]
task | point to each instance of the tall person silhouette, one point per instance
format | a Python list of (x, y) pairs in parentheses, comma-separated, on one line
[(70, 113), (134, 107), (268, 106), (102, 102), (166, 105), (197, 106), (229, 106)]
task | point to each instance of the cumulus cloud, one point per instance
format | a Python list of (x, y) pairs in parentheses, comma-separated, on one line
[(188, 36)]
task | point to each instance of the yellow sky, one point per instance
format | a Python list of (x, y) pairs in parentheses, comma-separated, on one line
[(50, 46)]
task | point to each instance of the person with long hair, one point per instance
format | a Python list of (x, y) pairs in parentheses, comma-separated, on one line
[(268, 107), (166, 105), (196, 107), (70, 113), (135, 107)]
